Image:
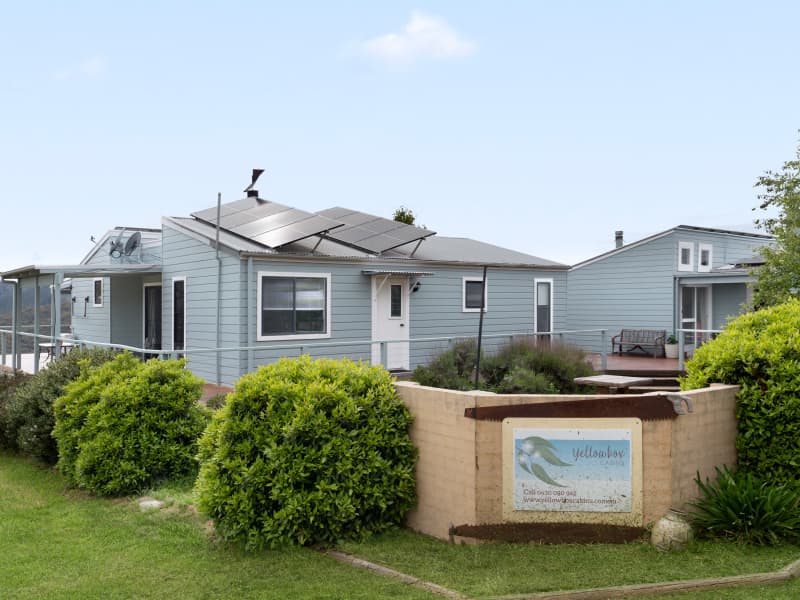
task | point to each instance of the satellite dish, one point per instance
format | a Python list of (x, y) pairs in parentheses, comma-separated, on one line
[(117, 246), (133, 243)]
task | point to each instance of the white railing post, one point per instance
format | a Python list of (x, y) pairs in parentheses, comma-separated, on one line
[(680, 349), (384, 354)]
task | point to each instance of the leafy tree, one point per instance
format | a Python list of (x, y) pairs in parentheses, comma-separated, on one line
[(779, 277), (404, 215)]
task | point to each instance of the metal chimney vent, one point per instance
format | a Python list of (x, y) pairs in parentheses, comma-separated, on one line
[(250, 189), (618, 239)]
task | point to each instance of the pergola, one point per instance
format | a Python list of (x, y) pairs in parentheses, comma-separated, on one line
[(54, 275)]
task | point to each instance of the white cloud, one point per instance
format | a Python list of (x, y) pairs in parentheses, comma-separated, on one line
[(423, 37), (91, 68)]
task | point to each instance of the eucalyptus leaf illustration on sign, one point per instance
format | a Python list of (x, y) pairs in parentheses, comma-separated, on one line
[(534, 447)]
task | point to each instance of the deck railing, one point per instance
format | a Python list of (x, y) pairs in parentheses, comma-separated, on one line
[(434, 345), (691, 339)]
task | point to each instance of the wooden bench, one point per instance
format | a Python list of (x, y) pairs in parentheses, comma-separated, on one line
[(641, 339)]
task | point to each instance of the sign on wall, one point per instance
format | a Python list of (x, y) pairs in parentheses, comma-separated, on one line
[(572, 466)]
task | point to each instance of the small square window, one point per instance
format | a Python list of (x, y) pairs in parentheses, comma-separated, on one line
[(705, 259), (685, 256), (472, 295)]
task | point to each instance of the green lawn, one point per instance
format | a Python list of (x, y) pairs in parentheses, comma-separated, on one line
[(57, 543), (60, 544), (501, 569)]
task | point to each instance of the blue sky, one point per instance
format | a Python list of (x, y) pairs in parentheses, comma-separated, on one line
[(540, 126)]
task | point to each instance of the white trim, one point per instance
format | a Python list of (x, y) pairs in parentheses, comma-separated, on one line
[(294, 336), (172, 312), (536, 283), (144, 311), (686, 246), (700, 249), (464, 308), (94, 291)]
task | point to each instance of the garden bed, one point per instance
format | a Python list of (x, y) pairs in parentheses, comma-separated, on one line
[(551, 533)]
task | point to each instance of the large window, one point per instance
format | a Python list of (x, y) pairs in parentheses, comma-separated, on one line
[(471, 295), (293, 305)]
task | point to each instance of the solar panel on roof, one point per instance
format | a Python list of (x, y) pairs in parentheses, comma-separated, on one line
[(267, 223), (371, 233)]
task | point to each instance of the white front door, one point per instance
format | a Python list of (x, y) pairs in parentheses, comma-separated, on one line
[(390, 322)]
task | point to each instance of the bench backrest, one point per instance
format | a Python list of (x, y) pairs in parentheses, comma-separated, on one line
[(643, 336)]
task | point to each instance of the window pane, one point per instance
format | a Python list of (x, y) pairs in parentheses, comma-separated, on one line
[(274, 322), (543, 294), (686, 257), (704, 258), (310, 321), (473, 294), (98, 291), (310, 294), (277, 293), (396, 309)]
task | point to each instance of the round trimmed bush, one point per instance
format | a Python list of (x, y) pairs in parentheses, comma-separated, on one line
[(29, 418), (126, 425), (305, 452), (761, 352)]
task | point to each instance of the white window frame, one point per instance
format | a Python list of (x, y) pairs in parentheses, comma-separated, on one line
[(700, 249), (690, 265), (294, 336), (464, 281), (94, 293), (536, 283), (172, 305)]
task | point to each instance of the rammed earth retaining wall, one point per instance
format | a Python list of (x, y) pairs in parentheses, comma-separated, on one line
[(460, 474)]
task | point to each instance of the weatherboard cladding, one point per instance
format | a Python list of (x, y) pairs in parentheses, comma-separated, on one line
[(633, 287), (187, 257)]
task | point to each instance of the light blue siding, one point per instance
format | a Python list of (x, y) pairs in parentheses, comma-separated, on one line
[(196, 261), (91, 322), (637, 286), (436, 309), (727, 300)]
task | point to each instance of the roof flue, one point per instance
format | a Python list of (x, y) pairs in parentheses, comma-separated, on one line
[(618, 240), (252, 192)]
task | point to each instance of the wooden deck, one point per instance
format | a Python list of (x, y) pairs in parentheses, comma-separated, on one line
[(637, 364)]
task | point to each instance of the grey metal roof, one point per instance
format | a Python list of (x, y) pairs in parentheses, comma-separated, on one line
[(268, 223), (81, 270), (372, 233), (454, 249)]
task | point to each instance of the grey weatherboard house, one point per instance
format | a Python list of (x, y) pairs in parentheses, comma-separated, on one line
[(281, 281), (682, 278)]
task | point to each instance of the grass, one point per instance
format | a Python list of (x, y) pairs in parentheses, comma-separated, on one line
[(504, 569), (59, 543), (55, 543)]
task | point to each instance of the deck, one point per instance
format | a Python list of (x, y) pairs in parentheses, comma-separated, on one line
[(637, 364)]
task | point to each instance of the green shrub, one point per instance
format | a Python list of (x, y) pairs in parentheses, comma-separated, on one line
[(8, 384), (453, 369), (29, 417), (127, 425), (308, 452), (741, 507), (759, 351), (520, 367)]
